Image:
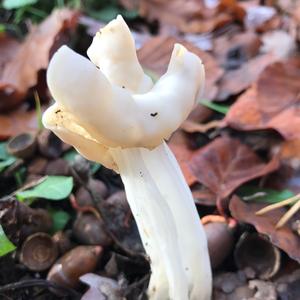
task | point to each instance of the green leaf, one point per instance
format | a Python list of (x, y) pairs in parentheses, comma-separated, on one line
[(52, 188), (6, 163), (130, 14), (70, 155), (251, 193), (111, 12), (5, 158), (6, 245), (220, 108), (95, 167), (60, 219), (3, 152), (2, 28), (12, 4)]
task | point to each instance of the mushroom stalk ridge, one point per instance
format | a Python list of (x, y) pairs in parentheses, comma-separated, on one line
[(112, 113)]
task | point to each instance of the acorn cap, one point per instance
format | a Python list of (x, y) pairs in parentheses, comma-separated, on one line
[(38, 252), (253, 251), (22, 145)]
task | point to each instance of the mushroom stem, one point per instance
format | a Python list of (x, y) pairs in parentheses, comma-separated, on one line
[(168, 222)]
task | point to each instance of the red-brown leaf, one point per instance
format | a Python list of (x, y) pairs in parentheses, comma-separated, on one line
[(272, 103), (156, 52), (236, 81), (17, 122), (225, 164), (20, 72)]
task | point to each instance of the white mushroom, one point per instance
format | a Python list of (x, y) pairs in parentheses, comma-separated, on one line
[(111, 112)]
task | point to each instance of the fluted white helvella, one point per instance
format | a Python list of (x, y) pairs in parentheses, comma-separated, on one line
[(112, 113)]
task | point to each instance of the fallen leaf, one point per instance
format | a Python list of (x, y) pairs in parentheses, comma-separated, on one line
[(283, 238), (225, 164), (6, 245), (289, 152), (232, 51), (236, 81), (183, 155), (257, 16), (273, 103), (186, 16), (16, 122), (20, 72), (8, 48), (280, 43), (156, 52), (101, 288)]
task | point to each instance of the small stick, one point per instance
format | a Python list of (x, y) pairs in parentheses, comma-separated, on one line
[(288, 214), (278, 205), (38, 282)]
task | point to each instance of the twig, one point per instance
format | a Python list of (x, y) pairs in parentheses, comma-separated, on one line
[(39, 282), (278, 205), (288, 215), (25, 187)]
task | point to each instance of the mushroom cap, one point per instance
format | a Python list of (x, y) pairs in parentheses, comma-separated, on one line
[(110, 102)]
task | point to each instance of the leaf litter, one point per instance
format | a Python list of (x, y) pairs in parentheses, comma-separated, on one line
[(239, 148)]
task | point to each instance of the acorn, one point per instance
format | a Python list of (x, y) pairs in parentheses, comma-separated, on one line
[(49, 144), (254, 252), (57, 167), (220, 241), (39, 252), (63, 242), (37, 166), (97, 188), (90, 230), (22, 145), (82, 167), (75, 263)]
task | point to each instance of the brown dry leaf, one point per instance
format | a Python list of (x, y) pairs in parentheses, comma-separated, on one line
[(183, 155), (8, 48), (272, 103), (156, 52), (187, 16), (283, 238), (101, 288), (236, 81), (20, 72), (234, 50), (225, 164), (289, 152), (17, 122)]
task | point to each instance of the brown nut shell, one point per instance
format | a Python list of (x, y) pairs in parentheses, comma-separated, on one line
[(90, 230), (63, 242), (96, 187), (254, 252), (220, 242), (75, 263), (22, 145), (39, 252), (49, 144)]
